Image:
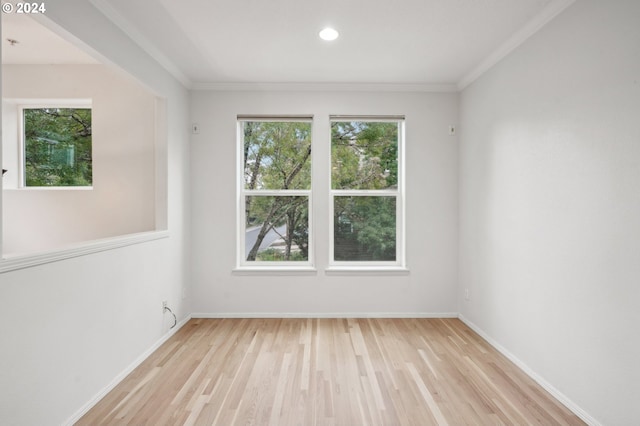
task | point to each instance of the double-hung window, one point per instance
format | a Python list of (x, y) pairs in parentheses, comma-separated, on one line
[(367, 191), (274, 191)]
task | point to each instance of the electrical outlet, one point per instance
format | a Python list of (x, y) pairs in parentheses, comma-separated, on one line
[(164, 305), (466, 294)]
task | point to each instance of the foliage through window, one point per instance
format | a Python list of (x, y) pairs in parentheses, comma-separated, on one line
[(365, 190), (275, 191), (57, 147)]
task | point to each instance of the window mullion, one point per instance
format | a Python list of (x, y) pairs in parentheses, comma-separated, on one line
[(277, 192)]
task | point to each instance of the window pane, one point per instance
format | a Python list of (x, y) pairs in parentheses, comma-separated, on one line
[(57, 146), (364, 228), (277, 155), (277, 228), (364, 155)]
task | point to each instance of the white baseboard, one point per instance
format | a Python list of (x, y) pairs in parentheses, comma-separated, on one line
[(326, 315), (588, 419), (93, 401)]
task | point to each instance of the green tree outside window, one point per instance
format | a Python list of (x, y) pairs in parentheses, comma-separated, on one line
[(277, 175), (364, 183), (57, 144)]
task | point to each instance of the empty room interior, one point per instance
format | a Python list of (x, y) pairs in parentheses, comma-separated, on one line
[(293, 212)]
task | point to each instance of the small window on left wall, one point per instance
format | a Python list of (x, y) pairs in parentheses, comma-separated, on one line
[(56, 145)]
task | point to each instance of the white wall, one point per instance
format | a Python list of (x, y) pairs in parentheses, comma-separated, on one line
[(122, 200), (69, 328), (550, 206), (431, 210)]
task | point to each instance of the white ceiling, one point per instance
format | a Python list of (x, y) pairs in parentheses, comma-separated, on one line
[(417, 43), (36, 44)]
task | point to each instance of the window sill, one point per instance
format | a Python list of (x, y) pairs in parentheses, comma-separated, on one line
[(12, 263), (331, 271), (275, 271), (367, 270)]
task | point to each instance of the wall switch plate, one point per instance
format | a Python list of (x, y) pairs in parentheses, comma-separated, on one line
[(195, 128)]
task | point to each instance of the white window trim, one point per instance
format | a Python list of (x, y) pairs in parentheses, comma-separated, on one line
[(244, 267), (44, 103), (397, 267), (368, 268)]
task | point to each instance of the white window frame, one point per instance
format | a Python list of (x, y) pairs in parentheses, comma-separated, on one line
[(374, 266), (22, 148), (243, 265)]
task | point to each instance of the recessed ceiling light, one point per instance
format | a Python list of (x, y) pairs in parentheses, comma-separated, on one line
[(328, 34)]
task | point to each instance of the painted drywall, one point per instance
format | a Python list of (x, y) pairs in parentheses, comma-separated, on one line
[(69, 328), (431, 210), (550, 207), (122, 200)]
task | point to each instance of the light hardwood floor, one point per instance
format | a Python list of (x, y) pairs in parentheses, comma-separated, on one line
[(327, 372)]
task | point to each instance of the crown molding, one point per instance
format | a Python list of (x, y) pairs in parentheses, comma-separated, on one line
[(327, 87), (552, 10), (125, 26)]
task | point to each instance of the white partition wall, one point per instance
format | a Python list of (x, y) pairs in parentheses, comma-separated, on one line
[(71, 327)]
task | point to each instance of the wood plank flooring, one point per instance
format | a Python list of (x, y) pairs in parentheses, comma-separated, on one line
[(327, 372)]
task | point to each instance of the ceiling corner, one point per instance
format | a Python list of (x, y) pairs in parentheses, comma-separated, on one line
[(553, 9), (129, 29)]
